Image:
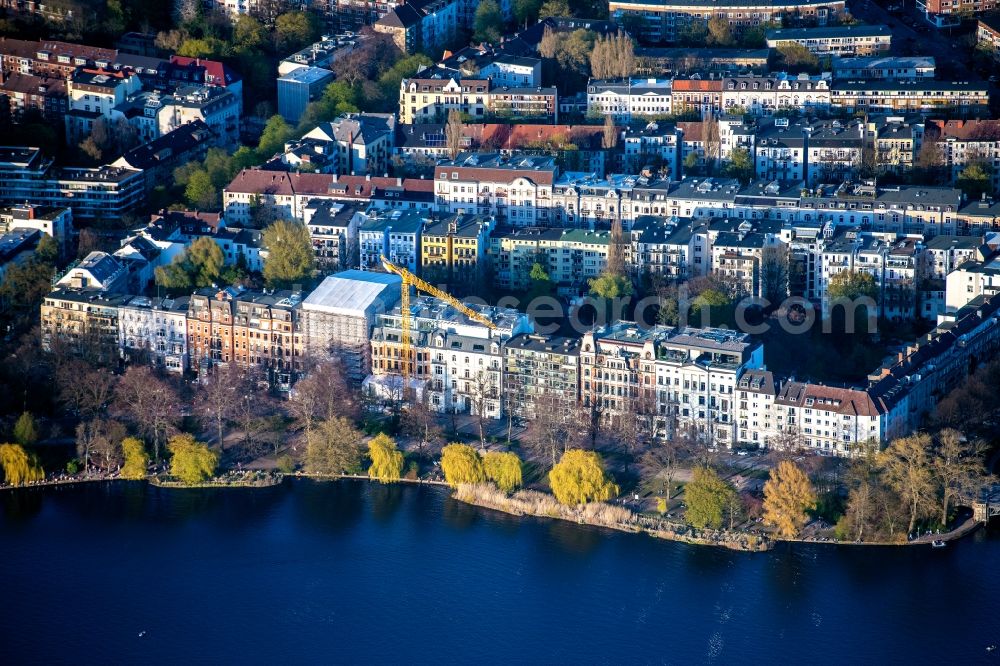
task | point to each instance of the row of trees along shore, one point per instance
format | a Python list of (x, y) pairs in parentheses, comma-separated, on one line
[(132, 422)]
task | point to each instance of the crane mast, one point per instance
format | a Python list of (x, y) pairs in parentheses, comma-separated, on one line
[(409, 279)]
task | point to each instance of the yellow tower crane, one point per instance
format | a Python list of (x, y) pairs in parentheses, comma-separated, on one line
[(409, 279)]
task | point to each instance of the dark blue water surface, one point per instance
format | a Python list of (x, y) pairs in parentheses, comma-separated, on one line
[(348, 572)]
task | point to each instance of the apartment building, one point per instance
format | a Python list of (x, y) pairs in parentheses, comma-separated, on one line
[(267, 335), (849, 40), (947, 13), (831, 420), (541, 373), (763, 95), (154, 331), (457, 361), (625, 100), (24, 93), (910, 97), (698, 95), (663, 21), (55, 222), (988, 34), (333, 229), (570, 257), (281, 194), (84, 321), (516, 190), (394, 235), (965, 142), (354, 144), (210, 320), (423, 100), (93, 94), (453, 249), (51, 58), (889, 68), (660, 143)]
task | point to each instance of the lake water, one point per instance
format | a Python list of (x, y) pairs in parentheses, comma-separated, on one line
[(348, 572)]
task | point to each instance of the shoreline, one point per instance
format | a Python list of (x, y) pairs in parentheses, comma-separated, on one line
[(654, 527)]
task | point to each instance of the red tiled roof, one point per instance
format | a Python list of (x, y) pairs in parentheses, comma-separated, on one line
[(696, 85), (966, 130), (283, 183), (213, 68)]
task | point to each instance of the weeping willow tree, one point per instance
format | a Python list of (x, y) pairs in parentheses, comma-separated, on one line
[(503, 469), (461, 464), (387, 460), (191, 461), (136, 459), (19, 467)]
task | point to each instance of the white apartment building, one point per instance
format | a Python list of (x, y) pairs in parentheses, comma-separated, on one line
[(393, 234), (964, 142), (516, 190), (625, 100), (763, 95), (333, 229), (154, 330)]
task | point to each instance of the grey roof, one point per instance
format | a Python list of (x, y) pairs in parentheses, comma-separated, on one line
[(307, 75), (353, 292), (829, 32)]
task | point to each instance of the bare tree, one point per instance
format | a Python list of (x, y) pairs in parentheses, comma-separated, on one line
[(661, 462), (713, 143), (554, 428), (958, 466), (323, 394), (215, 399), (100, 438), (149, 403), (420, 422), (453, 133), (483, 396), (84, 390), (774, 273), (609, 139)]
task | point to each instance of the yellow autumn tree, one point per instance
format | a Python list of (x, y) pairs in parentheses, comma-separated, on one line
[(579, 478), (136, 459), (19, 467), (387, 459), (191, 461), (461, 464), (503, 469), (788, 495)]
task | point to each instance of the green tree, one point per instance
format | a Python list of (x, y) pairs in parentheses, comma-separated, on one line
[(294, 30), (461, 464), (387, 459), (788, 495), (47, 250), (290, 259), (19, 467), (136, 459), (554, 8), (975, 180), (333, 446), (200, 192), (708, 497), (795, 56), (25, 431), (712, 307), (740, 165), (526, 11), (191, 461), (579, 478), (503, 469), (248, 33), (719, 32), (488, 22), (174, 275), (272, 140), (405, 68), (204, 261), (609, 285), (851, 285)]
